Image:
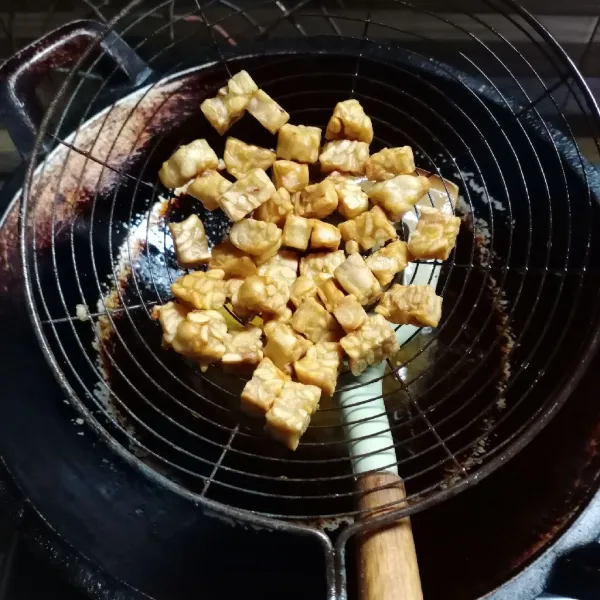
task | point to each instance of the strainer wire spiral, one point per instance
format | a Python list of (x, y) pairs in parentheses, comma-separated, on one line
[(520, 320)]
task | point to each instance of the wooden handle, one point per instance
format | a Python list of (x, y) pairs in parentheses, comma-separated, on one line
[(387, 559)]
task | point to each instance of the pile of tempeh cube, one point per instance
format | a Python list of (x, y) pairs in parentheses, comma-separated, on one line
[(300, 299)]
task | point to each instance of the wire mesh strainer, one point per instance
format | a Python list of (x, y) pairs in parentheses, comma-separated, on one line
[(519, 318)]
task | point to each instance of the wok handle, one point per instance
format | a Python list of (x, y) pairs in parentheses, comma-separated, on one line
[(20, 75), (388, 567)]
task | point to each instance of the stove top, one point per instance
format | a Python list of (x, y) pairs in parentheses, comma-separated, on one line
[(34, 564), (27, 547), (19, 558)]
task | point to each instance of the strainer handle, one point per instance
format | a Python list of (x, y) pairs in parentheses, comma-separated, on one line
[(20, 110), (388, 565)]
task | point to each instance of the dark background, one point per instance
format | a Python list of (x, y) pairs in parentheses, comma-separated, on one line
[(574, 23)]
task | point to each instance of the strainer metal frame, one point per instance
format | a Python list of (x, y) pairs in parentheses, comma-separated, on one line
[(335, 553)]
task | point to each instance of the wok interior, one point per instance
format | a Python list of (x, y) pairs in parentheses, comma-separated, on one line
[(516, 294)]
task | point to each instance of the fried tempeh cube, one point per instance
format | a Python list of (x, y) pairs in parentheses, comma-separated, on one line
[(232, 261), (296, 232), (329, 293), (284, 345), (202, 290), (411, 305), (351, 247), (350, 314), (349, 122), (216, 112), (398, 196), (299, 143), (317, 201), (232, 287), (289, 417), (387, 262), (187, 162), (254, 237), (352, 201), (325, 236), (276, 208), (285, 316), (202, 335), (374, 342), (312, 320), (169, 315), (368, 229), (269, 253), (232, 290), (191, 245), (240, 158), (260, 294), (321, 263), (260, 392), (239, 89), (320, 366), (435, 234), (282, 267), (291, 175), (356, 278), (344, 155), (267, 112), (304, 287), (208, 187), (389, 162), (243, 348), (231, 101), (246, 194)]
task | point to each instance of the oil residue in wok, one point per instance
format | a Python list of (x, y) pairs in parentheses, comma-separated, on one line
[(189, 416)]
